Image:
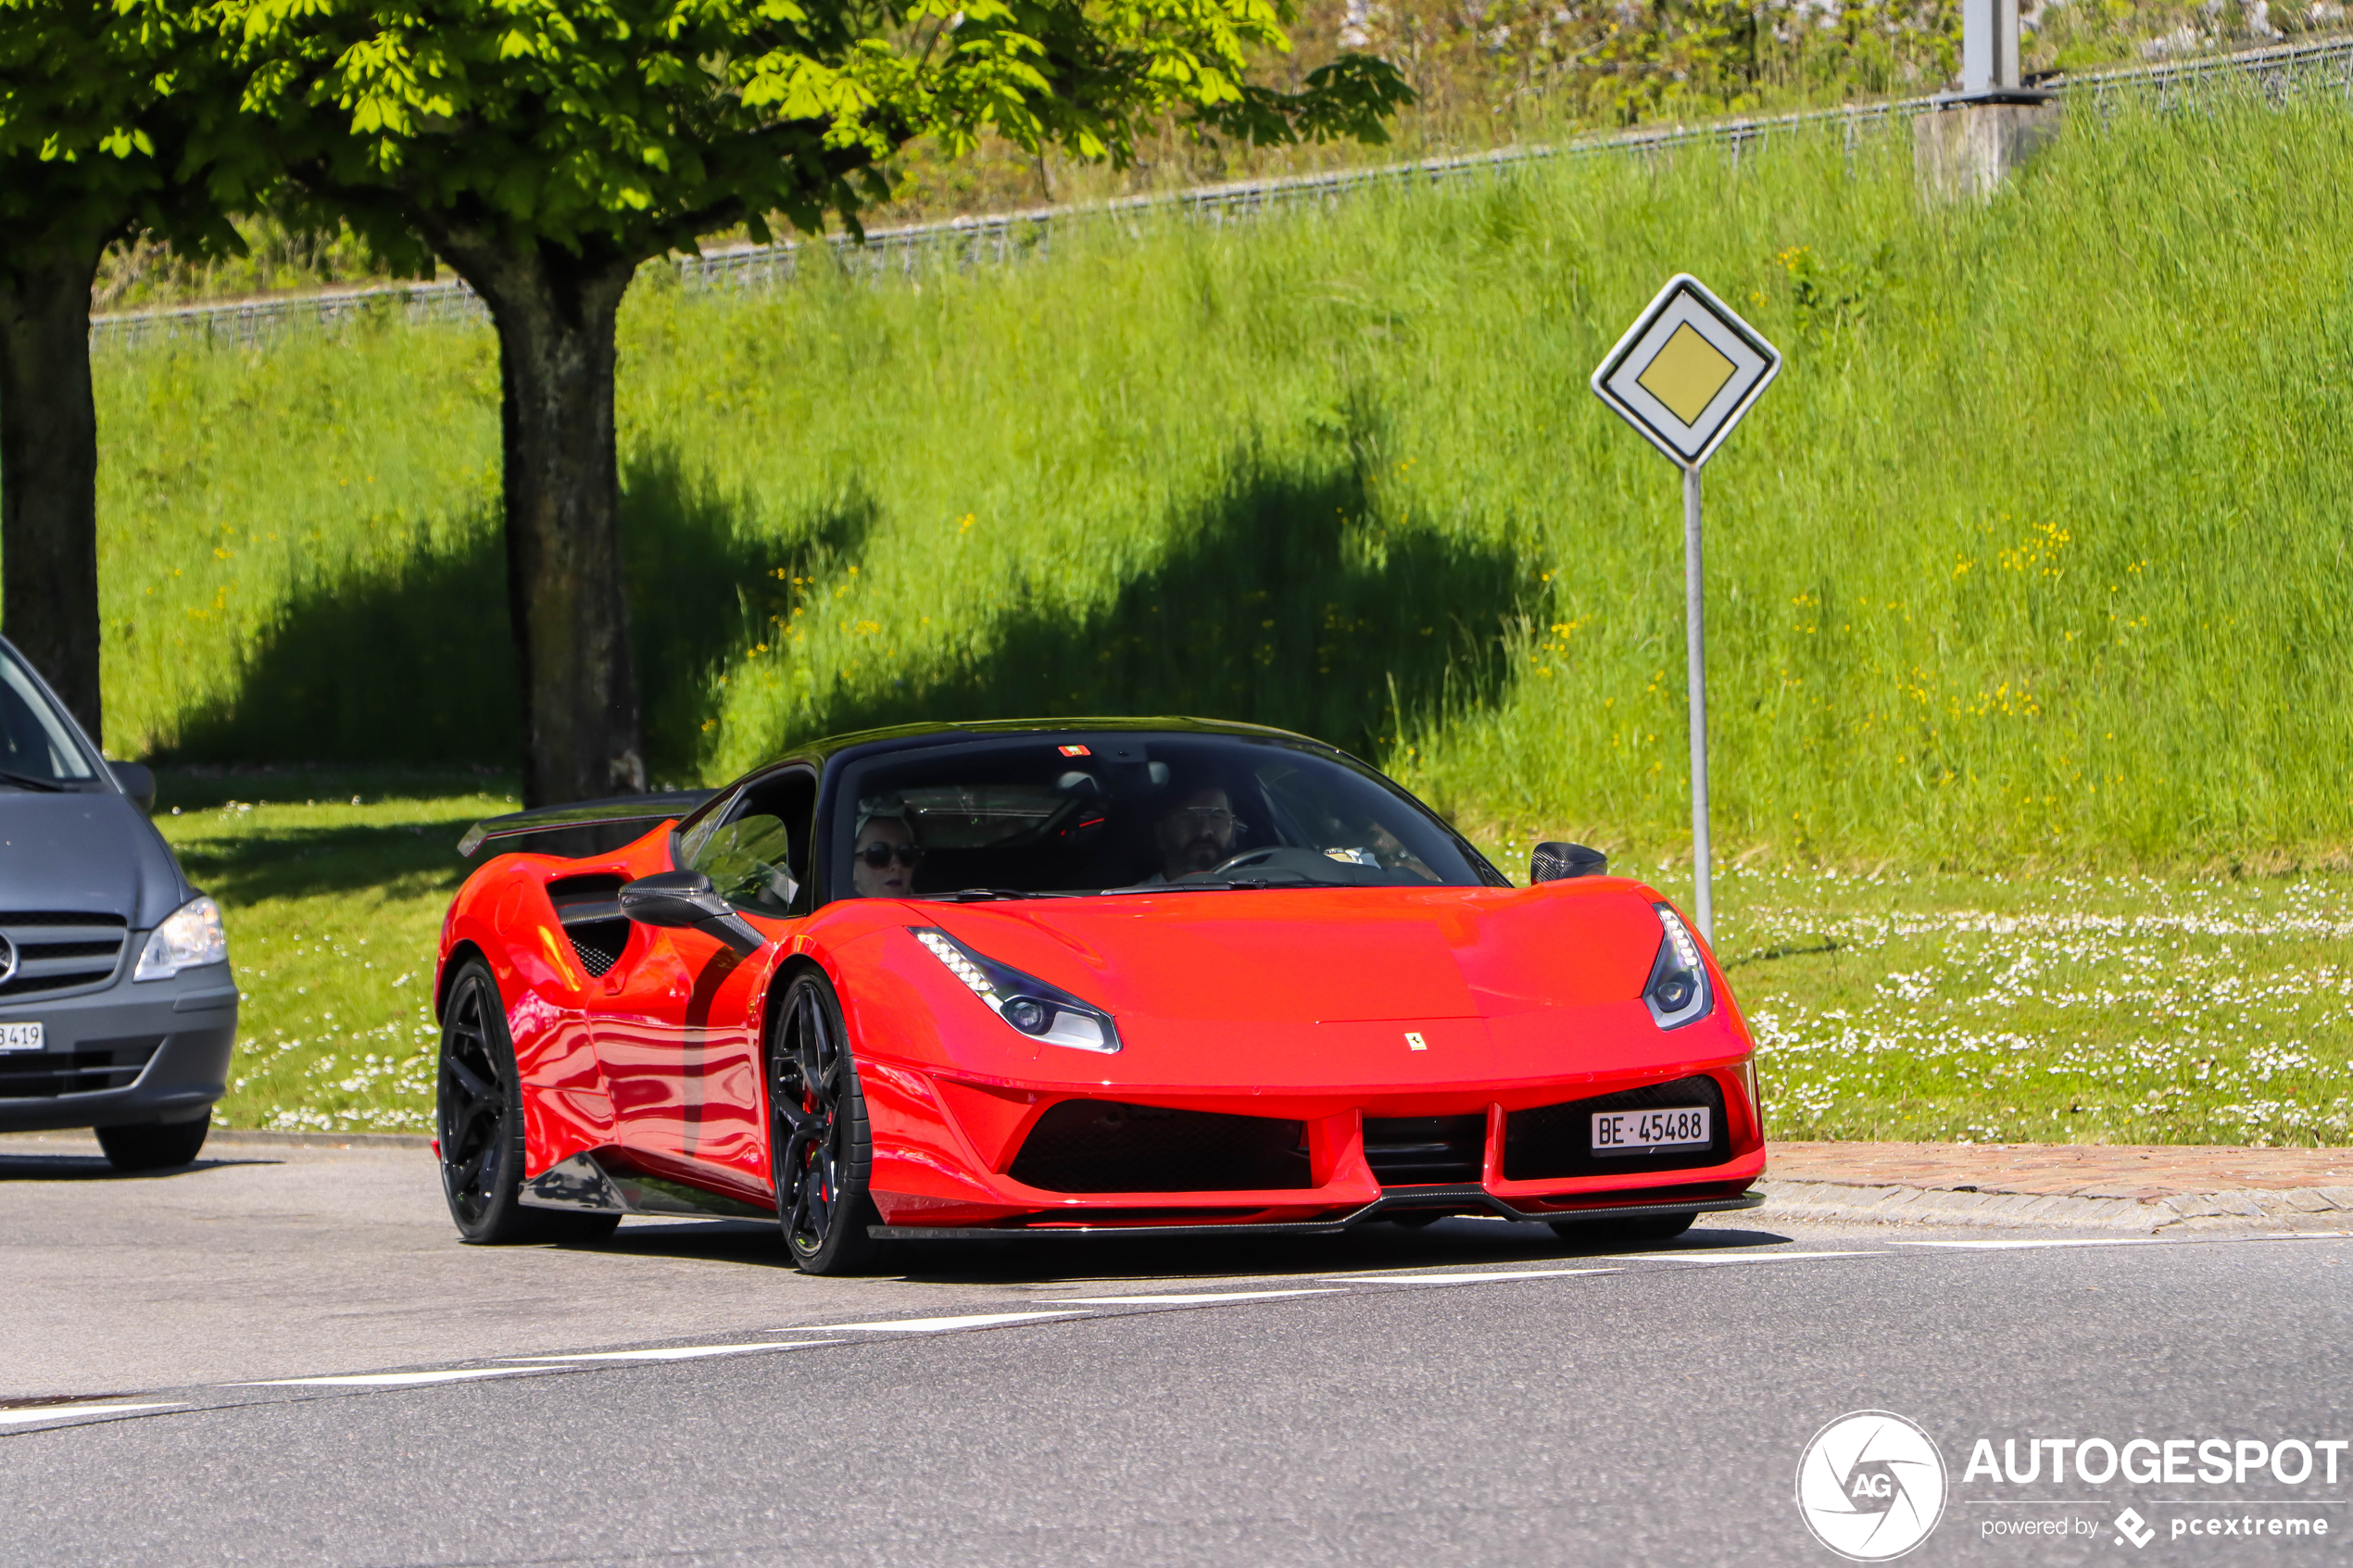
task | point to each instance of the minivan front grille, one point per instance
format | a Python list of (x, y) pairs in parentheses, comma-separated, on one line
[(92, 1068), (60, 951), (1426, 1150)]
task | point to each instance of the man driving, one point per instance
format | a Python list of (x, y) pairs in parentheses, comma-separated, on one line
[(1195, 833)]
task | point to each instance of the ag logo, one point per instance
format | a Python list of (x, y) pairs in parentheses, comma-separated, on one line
[(1870, 1486)]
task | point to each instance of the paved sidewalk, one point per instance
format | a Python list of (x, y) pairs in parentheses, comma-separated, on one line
[(2107, 1187)]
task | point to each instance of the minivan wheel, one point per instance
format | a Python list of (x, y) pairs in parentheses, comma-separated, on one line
[(156, 1146)]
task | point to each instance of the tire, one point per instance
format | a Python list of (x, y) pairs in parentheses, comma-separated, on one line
[(478, 1118), (1645, 1231), (820, 1152), (157, 1145)]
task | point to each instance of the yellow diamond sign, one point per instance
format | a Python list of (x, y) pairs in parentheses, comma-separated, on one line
[(1686, 372)]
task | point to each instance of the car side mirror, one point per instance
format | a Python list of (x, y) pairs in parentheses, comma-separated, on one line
[(137, 781), (1558, 862), (686, 900)]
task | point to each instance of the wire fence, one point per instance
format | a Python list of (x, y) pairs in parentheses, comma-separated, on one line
[(2279, 71)]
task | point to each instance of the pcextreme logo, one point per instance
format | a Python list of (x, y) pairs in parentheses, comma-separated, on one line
[(1870, 1486)]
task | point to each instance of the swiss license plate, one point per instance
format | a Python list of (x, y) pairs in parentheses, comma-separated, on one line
[(20, 1038), (1640, 1132)]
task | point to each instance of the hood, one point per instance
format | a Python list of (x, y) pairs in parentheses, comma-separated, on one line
[(88, 852), (1310, 956)]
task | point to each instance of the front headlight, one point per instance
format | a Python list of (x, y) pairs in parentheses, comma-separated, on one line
[(1677, 992), (1041, 1012), (190, 936)]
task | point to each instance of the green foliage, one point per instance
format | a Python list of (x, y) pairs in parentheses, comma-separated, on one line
[(630, 127), (118, 116), (2006, 565)]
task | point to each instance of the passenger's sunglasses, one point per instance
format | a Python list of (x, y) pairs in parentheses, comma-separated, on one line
[(880, 855)]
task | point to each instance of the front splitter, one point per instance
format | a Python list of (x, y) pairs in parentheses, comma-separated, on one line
[(1408, 1198)]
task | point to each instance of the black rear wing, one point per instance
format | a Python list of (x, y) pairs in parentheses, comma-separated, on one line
[(619, 811)]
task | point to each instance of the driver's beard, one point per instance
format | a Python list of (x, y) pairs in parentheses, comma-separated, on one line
[(1202, 854)]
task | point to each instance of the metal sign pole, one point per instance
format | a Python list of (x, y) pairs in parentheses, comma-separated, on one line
[(1683, 374), (1696, 650)]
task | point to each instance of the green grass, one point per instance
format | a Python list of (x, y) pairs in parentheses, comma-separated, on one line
[(2036, 552), (2122, 1010)]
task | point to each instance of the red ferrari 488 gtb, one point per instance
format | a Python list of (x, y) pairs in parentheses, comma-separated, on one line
[(1119, 976)]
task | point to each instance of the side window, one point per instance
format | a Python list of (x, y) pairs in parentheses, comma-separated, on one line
[(758, 856)]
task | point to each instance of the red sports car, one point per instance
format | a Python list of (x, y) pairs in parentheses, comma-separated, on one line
[(1143, 977)]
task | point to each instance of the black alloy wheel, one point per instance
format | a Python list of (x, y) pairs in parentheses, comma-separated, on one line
[(478, 1113), (819, 1149)]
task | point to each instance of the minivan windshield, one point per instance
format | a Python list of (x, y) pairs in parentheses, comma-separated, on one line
[(1086, 811), (37, 746)]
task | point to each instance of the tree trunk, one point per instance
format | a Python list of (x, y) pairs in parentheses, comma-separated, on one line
[(49, 474), (554, 315)]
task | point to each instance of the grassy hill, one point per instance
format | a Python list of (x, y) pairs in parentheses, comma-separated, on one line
[(2036, 550)]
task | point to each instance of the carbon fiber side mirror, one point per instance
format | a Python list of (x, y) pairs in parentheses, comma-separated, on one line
[(1558, 862)]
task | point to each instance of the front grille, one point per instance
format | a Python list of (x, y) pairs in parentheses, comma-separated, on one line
[(1101, 1145), (57, 951), (1557, 1140), (92, 1068), (589, 909), (1426, 1150)]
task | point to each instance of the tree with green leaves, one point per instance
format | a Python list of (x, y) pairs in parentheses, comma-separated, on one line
[(545, 149), (116, 116)]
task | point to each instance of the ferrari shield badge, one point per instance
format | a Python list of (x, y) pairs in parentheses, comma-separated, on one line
[(1414, 1042)]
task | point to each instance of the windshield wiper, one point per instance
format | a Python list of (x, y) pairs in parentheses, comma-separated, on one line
[(27, 781), (1234, 884)]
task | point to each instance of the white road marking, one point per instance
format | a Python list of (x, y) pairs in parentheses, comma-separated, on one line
[(388, 1379), (2063, 1241), (1177, 1296), (1743, 1258), (676, 1352), (937, 1326), (1470, 1279), (74, 1412)]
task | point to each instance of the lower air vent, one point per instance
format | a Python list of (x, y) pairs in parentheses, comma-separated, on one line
[(57, 951), (589, 907), (1426, 1150), (97, 1066), (1557, 1140), (1101, 1146)]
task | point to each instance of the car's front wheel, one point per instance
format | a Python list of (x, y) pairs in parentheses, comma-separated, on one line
[(478, 1114), (157, 1145), (819, 1149)]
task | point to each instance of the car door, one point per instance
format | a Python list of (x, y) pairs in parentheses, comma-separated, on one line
[(679, 1037)]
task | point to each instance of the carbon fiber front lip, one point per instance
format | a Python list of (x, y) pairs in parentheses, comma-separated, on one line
[(1418, 1197)]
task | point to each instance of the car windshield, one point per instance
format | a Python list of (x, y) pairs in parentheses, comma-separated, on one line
[(1086, 813), (37, 746)]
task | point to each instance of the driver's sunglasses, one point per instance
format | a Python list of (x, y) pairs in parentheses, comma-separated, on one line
[(1199, 817), (880, 855)]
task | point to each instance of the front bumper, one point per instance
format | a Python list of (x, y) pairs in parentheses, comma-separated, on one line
[(130, 1052)]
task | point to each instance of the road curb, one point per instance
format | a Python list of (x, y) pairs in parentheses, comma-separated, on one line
[(2292, 1207), (318, 1140)]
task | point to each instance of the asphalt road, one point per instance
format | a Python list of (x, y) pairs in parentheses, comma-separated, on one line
[(1468, 1393)]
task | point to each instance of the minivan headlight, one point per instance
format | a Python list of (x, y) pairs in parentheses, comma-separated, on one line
[(1026, 1003), (1677, 992), (191, 937)]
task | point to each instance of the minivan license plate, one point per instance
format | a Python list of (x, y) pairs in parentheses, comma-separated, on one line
[(1640, 1132), (20, 1038)]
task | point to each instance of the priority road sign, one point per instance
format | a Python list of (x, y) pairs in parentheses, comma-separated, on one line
[(1686, 372), (1683, 374)]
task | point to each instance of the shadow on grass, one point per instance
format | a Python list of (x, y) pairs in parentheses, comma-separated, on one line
[(1284, 601), (393, 859), (414, 663)]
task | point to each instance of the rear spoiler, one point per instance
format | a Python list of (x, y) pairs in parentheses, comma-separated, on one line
[(614, 812)]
